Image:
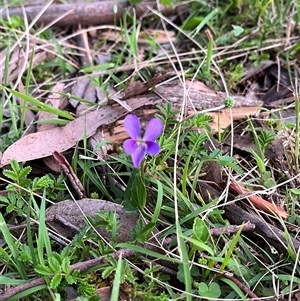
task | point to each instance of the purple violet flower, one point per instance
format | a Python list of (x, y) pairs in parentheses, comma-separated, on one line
[(137, 146)]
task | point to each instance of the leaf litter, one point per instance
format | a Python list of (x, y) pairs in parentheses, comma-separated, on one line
[(142, 98)]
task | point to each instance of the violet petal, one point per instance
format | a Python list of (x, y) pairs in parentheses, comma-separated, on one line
[(129, 146), (132, 126), (153, 148), (138, 156), (154, 129)]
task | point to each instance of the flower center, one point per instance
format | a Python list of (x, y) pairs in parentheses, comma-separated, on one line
[(141, 142)]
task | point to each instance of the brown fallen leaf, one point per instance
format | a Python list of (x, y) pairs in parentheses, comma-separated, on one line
[(18, 58), (138, 88), (221, 120), (246, 143), (160, 36), (259, 202), (43, 144), (78, 90), (55, 100)]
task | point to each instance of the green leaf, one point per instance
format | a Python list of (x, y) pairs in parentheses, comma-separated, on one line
[(119, 278), (42, 182), (11, 281), (24, 172), (140, 232), (215, 290), (65, 266), (10, 207), (4, 199), (235, 288), (135, 1), (42, 106), (135, 192), (147, 252), (200, 245), (237, 30), (295, 191), (54, 265), (211, 291), (70, 279), (10, 174), (108, 271), (203, 289), (56, 280), (194, 271), (43, 270), (231, 248), (167, 3), (200, 230), (55, 121), (101, 67)]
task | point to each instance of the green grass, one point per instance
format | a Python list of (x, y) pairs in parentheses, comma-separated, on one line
[(214, 44)]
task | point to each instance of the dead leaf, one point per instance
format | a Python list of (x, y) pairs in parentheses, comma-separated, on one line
[(160, 36), (69, 172), (138, 88), (90, 95), (43, 144), (19, 58), (53, 100), (259, 202), (246, 143), (221, 120), (78, 90)]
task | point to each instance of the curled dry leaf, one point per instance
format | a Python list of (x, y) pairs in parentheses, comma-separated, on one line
[(259, 202), (137, 88), (73, 212), (78, 90), (18, 58), (69, 172)]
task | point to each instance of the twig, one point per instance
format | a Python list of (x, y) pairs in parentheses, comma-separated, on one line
[(243, 287), (231, 229), (272, 234), (84, 13)]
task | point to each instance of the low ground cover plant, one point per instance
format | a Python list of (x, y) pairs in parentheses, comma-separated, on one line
[(152, 157)]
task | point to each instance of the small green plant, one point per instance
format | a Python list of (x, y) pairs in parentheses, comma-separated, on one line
[(209, 291), (179, 206), (20, 191)]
